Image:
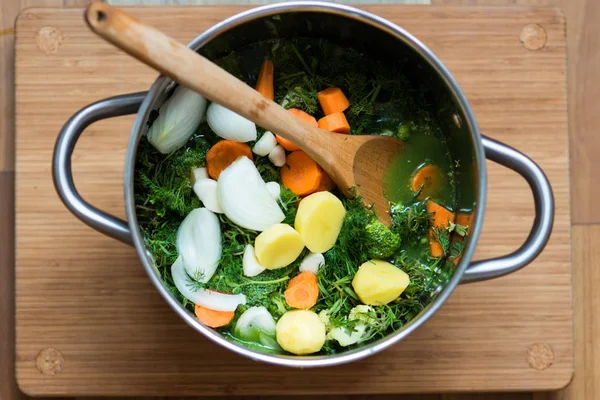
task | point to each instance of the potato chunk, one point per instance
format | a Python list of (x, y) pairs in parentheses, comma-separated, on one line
[(278, 246), (319, 220), (300, 332), (379, 282)]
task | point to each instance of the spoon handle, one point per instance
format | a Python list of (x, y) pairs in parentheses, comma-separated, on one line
[(192, 70)]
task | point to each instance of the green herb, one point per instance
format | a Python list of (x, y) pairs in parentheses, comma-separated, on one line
[(267, 170), (459, 229), (443, 236), (288, 201), (457, 248), (410, 222)]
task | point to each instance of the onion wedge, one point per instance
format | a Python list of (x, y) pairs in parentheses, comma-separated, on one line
[(206, 298), (199, 244), (244, 197)]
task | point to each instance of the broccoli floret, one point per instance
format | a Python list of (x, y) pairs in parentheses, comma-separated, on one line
[(380, 241), (276, 304), (324, 317)]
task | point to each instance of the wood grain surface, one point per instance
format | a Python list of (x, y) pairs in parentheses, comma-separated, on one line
[(584, 83), (103, 329)]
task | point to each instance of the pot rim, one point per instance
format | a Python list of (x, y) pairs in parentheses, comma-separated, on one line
[(387, 27)]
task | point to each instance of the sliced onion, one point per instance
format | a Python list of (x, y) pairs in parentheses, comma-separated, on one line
[(229, 125), (265, 144), (206, 298), (254, 321), (250, 262), (178, 119), (199, 174), (244, 197), (274, 189), (199, 244), (206, 190), (312, 262), (277, 156)]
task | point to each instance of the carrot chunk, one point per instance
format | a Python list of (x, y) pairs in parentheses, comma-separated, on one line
[(429, 179), (264, 84), (466, 219), (302, 291), (222, 154), (326, 184), (441, 219), (309, 119), (335, 122), (301, 174), (333, 100), (213, 318)]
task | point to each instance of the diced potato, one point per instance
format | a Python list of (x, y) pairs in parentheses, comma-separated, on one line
[(300, 332), (379, 282), (319, 220), (278, 246)]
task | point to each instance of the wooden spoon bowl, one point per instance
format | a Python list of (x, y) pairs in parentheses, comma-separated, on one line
[(351, 160)]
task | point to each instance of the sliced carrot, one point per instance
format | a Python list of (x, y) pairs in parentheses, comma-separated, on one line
[(462, 218), (302, 291), (301, 174), (326, 184), (264, 84), (441, 219), (213, 318), (441, 215), (333, 100), (309, 119), (466, 219), (429, 179), (335, 122), (222, 154), (286, 144)]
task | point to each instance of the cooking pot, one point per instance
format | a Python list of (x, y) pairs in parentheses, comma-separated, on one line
[(374, 36)]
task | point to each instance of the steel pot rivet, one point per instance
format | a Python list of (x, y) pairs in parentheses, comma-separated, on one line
[(49, 361), (533, 37), (540, 356)]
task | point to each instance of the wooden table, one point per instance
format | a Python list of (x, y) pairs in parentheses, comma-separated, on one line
[(583, 36)]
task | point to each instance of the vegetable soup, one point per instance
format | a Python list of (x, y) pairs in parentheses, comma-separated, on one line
[(252, 236)]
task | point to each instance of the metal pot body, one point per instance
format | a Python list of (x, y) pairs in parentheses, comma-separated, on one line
[(376, 37)]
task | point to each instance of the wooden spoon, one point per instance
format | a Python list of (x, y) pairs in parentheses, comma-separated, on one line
[(351, 160)]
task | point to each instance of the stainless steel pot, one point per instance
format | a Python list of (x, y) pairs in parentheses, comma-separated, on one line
[(368, 33)]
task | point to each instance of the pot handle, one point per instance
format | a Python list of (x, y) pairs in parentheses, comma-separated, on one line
[(61, 163), (543, 200)]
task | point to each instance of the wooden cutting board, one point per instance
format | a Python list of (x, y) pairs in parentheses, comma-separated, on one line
[(89, 322)]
